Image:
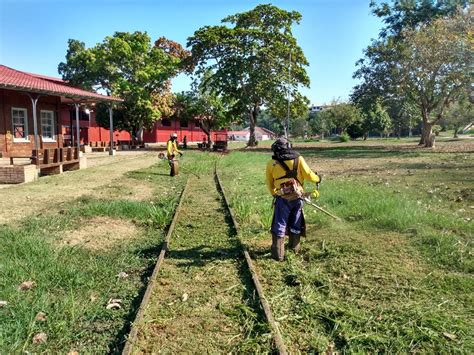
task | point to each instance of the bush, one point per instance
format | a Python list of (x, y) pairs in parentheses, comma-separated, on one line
[(355, 130), (344, 137)]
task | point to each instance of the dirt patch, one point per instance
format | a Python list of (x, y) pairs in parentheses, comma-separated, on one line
[(100, 233), (127, 189)]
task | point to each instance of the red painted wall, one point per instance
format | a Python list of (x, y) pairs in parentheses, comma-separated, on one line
[(161, 133), (11, 98), (89, 132)]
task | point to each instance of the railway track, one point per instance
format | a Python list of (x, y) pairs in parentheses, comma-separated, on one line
[(195, 297)]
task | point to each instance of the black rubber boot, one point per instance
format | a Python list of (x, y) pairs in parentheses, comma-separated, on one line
[(278, 248), (294, 243)]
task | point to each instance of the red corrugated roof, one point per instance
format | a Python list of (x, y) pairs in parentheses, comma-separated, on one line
[(17, 80)]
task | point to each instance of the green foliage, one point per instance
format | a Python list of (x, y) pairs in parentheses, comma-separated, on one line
[(422, 53), (378, 120), (436, 129), (356, 130), (459, 114), (204, 106), (129, 66), (250, 60), (268, 121), (343, 115), (297, 109), (344, 137), (321, 122), (299, 127)]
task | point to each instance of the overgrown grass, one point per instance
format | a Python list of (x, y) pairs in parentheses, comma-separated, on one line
[(395, 276), (73, 284)]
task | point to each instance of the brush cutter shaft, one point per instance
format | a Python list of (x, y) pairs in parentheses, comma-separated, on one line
[(308, 201)]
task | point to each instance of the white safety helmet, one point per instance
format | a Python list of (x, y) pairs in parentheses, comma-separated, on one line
[(174, 135)]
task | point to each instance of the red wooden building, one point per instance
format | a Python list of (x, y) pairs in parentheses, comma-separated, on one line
[(164, 128), (31, 124)]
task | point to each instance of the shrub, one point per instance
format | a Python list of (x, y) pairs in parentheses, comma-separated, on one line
[(344, 137)]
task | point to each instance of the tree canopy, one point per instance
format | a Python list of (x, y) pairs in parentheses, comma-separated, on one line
[(421, 55), (127, 65), (250, 60)]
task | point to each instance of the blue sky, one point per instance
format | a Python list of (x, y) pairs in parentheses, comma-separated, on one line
[(332, 33)]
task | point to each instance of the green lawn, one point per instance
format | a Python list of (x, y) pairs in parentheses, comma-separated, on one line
[(394, 276), (74, 282)]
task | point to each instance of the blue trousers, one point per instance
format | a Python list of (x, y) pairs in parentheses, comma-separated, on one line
[(288, 217)]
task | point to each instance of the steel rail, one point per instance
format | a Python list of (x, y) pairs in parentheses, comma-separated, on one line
[(132, 337), (277, 337)]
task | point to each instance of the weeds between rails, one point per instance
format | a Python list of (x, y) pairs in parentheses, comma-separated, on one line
[(133, 341)]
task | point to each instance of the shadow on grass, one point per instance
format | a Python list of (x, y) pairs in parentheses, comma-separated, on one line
[(351, 151)]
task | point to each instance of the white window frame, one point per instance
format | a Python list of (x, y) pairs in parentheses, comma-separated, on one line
[(44, 138), (27, 137)]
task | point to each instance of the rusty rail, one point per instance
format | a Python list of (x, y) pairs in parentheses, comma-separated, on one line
[(132, 337), (277, 337)]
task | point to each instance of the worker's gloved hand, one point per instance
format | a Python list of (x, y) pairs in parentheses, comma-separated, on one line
[(315, 194), (180, 154)]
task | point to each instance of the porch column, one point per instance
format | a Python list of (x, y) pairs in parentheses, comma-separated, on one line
[(111, 127), (78, 132), (34, 101)]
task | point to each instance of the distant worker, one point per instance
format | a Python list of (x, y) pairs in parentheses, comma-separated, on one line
[(185, 142), (172, 149), (285, 175)]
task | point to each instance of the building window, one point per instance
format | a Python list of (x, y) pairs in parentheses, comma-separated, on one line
[(166, 122), (20, 124), (47, 125)]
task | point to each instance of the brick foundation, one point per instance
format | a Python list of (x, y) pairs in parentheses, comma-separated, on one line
[(17, 174)]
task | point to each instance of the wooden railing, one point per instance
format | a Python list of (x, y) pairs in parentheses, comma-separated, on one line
[(54, 157)]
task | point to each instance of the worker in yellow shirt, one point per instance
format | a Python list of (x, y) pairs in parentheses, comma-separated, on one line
[(172, 149), (285, 175)]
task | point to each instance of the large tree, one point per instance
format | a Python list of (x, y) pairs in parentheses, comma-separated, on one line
[(410, 57), (251, 59), (130, 66)]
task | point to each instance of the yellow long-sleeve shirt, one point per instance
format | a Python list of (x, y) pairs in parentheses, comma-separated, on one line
[(275, 171), (172, 148)]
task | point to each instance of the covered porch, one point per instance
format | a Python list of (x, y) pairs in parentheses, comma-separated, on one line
[(31, 139)]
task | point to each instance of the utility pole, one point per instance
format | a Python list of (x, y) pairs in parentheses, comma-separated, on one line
[(287, 128)]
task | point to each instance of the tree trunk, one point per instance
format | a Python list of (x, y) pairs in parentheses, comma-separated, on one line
[(207, 130), (456, 129), (427, 136), (209, 139), (252, 123)]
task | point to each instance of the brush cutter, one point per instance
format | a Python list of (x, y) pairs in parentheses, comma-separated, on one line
[(162, 156), (307, 199)]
